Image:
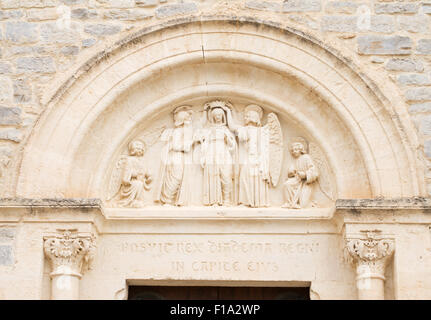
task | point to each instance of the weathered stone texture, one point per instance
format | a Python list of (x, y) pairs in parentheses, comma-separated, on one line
[(414, 79), (5, 90), (420, 107), (339, 23), (417, 24), (10, 116), (176, 9), (424, 46), (11, 135), (86, 43), (418, 94), (302, 5), (35, 64), (425, 125), (263, 5), (21, 32), (126, 15), (6, 255), (102, 29), (396, 7), (21, 91), (5, 68), (370, 44), (404, 64), (51, 33), (42, 14), (342, 7)]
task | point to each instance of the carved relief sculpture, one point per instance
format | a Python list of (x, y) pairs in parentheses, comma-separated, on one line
[(301, 176), (255, 175), (174, 187), (132, 180), (218, 156)]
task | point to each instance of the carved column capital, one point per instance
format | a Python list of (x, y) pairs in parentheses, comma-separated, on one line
[(69, 251), (370, 251)]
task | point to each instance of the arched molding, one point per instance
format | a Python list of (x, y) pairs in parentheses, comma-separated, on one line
[(378, 125)]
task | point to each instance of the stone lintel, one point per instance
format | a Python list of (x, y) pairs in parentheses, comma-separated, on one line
[(357, 206)]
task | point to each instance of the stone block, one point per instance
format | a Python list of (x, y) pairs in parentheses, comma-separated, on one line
[(21, 91), (126, 15), (42, 14), (147, 3), (420, 107), (176, 9), (404, 64), (416, 23), (414, 79), (6, 255), (382, 24), (10, 14), (418, 94), (427, 148), (70, 50), (396, 7), (302, 6), (21, 32), (10, 116), (426, 8), (86, 43), (424, 46), (5, 90), (6, 234), (51, 33), (263, 5), (5, 68), (11, 135), (425, 125), (339, 23), (102, 29), (35, 64), (342, 7), (386, 45), (38, 3)]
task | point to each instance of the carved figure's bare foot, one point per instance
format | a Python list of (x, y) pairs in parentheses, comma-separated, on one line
[(286, 205)]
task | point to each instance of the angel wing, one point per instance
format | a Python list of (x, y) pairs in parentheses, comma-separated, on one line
[(324, 180), (152, 136), (115, 182), (275, 148)]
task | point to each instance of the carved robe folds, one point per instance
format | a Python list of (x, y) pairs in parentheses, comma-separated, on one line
[(298, 189), (218, 145)]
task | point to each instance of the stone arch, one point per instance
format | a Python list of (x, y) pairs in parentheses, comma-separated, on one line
[(371, 146)]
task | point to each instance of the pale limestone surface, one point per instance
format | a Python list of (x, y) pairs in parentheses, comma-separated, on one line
[(90, 89)]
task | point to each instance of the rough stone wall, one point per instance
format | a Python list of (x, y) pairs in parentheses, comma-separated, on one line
[(41, 39)]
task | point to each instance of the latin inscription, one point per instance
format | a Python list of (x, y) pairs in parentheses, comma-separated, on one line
[(228, 250)]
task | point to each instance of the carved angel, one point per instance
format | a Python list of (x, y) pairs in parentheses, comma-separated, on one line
[(324, 180), (130, 178), (260, 155), (301, 176)]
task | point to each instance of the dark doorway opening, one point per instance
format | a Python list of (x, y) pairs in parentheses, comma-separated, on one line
[(217, 293)]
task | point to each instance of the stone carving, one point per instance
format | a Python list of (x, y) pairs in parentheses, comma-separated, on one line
[(219, 151), (219, 163), (254, 157), (301, 176), (69, 252), (173, 188), (131, 179), (370, 253)]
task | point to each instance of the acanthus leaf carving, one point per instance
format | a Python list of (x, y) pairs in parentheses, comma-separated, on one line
[(69, 251), (370, 252)]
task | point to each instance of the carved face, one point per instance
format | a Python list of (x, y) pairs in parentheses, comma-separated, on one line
[(252, 117), (136, 148), (182, 118), (297, 149), (218, 115)]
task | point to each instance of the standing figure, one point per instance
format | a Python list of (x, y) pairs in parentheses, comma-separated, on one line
[(176, 160), (131, 179), (256, 145), (300, 177), (218, 152)]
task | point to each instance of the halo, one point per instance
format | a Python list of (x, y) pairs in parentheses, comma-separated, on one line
[(255, 108)]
